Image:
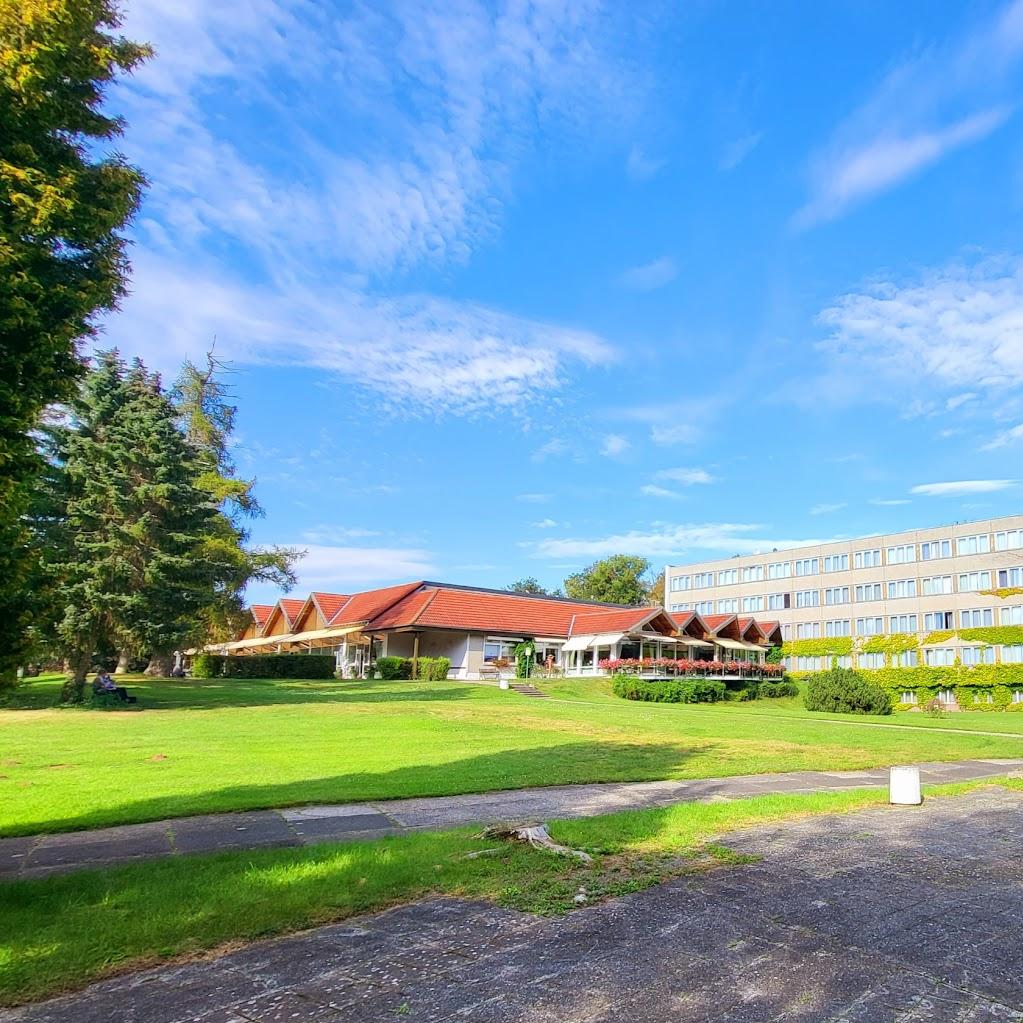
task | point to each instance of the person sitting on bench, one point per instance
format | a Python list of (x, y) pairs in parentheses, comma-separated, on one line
[(105, 684)]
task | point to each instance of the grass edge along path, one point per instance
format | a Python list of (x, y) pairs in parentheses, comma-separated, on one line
[(60, 933)]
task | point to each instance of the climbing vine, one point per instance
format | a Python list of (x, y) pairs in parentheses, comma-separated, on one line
[(524, 659), (831, 646), (1004, 592)]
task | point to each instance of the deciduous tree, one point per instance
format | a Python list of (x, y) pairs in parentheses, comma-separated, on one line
[(618, 579)]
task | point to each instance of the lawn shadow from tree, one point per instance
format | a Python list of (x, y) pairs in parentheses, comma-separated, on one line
[(576, 763)]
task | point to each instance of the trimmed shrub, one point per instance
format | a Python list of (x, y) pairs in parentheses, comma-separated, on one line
[(844, 691), (433, 669), (773, 690), (208, 665), (392, 668), (279, 666), (681, 690)]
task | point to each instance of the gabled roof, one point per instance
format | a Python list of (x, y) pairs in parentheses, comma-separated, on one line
[(771, 631), (366, 606), (617, 620), (287, 608), (260, 613), (725, 626), (690, 623), (328, 605), (749, 629)]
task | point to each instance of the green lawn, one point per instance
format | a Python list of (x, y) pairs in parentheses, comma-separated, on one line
[(199, 747), (59, 933)]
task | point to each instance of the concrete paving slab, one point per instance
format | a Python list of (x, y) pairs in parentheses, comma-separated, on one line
[(326, 829), (225, 831)]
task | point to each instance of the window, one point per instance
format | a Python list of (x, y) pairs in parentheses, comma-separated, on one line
[(983, 698), (937, 621), (936, 584), (980, 543), (778, 601), (1010, 577), (701, 579), (902, 623), (869, 626), (973, 581), (836, 595), (1017, 696), (908, 696), (836, 563), (493, 648), (977, 618), (907, 659), (728, 576), (786, 632), (978, 655), (903, 554), (899, 588), (843, 661), (728, 606), (868, 591), (946, 696), (704, 607), (808, 598), (814, 664), (867, 559), (753, 573), (808, 630), (1009, 540), (872, 661), (779, 570), (838, 627), (934, 549), (680, 607), (939, 657), (1012, 655), (806, 566), (679, 582), (1012, 615), (753, 603)]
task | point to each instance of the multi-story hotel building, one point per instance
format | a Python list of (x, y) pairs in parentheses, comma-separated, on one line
[(921, 581)]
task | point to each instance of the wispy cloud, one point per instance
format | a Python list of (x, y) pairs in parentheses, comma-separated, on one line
[(946, 96), (545, 524), (640, 166), (687, 477), (533, 498), (336, 534), (674, 433), (738, 149), (650, 276), (827, 509), (1011, 436), (667, 540), (653, 490), (341, 569), (957, 488), (554, 447), (889, 502), (614, 444)]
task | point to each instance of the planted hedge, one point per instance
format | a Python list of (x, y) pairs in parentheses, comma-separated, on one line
[(774, 690), (429, 669), (394, 668), (263, 666), (844, 691), (668, 691)]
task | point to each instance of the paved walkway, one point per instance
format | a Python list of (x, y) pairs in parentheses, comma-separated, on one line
[(886, 915), (61, 853)]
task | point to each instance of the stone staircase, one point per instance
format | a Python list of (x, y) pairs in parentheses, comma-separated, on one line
[(525, 689)]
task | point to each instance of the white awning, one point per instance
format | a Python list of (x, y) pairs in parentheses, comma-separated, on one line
[(688, 641), (341, 630), (735, 644), (579, 643), (248, 644), (607, 638)]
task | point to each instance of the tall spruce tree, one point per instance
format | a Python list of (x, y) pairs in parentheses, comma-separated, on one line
[(64, 199), (207, 418), (135, 569)]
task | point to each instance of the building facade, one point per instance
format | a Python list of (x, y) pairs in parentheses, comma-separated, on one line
[(936, 583)]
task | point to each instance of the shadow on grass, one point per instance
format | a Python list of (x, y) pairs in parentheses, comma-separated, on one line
[(563, 764), (215, 694)]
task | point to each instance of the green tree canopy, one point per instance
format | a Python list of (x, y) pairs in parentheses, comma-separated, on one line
[(64, 199), (529, 584), (618, 579)]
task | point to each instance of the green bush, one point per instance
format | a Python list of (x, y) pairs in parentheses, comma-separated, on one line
[(208, 665), (433, 669), (773, 690), (675, 690), (392, 668), (844, 691), (279, 666)]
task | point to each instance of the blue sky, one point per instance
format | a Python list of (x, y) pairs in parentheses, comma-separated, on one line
[(510, 287)]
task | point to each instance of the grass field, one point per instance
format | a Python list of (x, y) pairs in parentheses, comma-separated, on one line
[(199, 747), (61, 932)]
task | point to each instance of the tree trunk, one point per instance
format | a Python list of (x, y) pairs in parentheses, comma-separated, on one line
[(74, 685), (160, 664), (124, 659)]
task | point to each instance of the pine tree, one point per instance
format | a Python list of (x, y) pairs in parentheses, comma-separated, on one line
[(64, 199), (135, 569)]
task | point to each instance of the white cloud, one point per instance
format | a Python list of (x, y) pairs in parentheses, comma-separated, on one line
[(958, 400), (889, 502), (650, 276), (667, 540), (336, 534), (827, 509), (545, 524), (687, 477), (652, 490), (958, 325), (552, 448), (957, 488), (1005, 438), (943, 97), (641, 167), (668, 434), (342, 569), (533, 498), (738, 149), (414, 352), (614, 444)]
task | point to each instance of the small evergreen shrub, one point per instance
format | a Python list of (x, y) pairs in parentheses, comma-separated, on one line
[(392, 668), (675, 690), (207, 665), (845, 691), (433, 669), (774, 690)]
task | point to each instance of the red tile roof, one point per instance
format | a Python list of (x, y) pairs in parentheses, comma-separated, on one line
[(260, 613), (714, 622), (364, 607), (592, 621), (290, 608), (769, 629), (330, 603)]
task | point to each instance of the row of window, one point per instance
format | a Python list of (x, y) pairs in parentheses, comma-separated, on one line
[(933, 657), (898, 554)]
